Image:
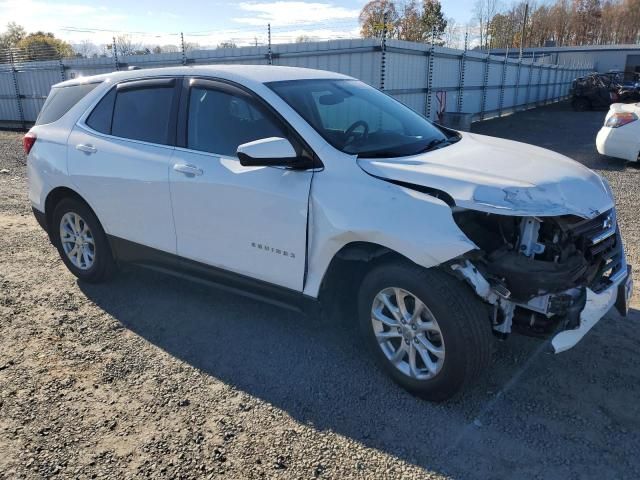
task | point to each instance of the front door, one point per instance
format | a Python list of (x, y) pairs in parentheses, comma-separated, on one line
[(248, 220)]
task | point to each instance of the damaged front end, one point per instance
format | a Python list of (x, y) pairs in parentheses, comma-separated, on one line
[(542, 274)]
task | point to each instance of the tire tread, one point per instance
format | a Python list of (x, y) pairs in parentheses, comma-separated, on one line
[(465, 313)]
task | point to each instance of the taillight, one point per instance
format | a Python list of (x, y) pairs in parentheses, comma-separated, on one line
[(27, 142), (620, 118)]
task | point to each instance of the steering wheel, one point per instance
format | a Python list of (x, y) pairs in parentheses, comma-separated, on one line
[(350, 135)]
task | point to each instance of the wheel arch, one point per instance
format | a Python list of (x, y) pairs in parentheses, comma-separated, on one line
[(349, 265), (54, 197)]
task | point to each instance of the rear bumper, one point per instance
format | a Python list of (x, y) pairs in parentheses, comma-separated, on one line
[(618, 143), (41, 218)]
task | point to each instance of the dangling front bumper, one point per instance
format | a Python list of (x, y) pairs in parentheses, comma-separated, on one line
[(618, 293)]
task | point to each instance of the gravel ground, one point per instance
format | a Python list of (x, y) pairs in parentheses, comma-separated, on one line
[(150, 377)]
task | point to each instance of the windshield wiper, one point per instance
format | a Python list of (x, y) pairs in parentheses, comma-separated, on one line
[(432, 145), (436, 142)]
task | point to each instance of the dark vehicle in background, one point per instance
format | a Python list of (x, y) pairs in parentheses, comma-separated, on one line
[(599, 90), (593, 91)]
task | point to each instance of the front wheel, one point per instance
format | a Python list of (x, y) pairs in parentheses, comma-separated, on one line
[(426, 328)]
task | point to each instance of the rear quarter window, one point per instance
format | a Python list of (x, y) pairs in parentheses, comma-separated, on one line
[(100, 118), (61, 100)]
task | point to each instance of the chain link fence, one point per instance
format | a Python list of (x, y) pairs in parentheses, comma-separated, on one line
[(429, 78)]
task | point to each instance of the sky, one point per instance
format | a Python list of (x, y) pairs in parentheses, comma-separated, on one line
[(206, 22)]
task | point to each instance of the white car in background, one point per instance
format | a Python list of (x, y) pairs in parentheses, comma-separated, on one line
[(303, 187), (620, 135)]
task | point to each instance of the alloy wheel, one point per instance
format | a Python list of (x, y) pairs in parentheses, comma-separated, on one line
[(77, 241), (407, 333)]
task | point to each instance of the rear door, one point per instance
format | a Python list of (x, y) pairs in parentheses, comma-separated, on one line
[(119, 157), (248, 220)]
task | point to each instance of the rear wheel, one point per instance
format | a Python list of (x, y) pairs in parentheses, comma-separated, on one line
[(427, 329), (81, 241)]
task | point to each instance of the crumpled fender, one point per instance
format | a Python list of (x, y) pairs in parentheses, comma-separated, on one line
[(360, 208)]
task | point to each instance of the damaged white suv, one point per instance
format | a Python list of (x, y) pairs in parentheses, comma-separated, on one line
[(304, 187)]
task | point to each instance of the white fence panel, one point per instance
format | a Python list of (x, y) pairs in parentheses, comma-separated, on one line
[(486, 86)]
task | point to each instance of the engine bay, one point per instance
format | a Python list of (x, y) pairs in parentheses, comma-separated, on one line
[(538, 269)]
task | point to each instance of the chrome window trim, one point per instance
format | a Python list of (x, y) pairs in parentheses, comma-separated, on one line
[(87, 129)]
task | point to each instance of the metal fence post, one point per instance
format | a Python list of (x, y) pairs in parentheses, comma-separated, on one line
[(485, 82), (16, 88), (383, 50), (430, 61), (115, 54), (517, 88), (62, 74), (527, 99), (502, 82), (543, 100), (182, 49), (537, 102), (269, 53), (555, 83), (546, 85), (463, 61)]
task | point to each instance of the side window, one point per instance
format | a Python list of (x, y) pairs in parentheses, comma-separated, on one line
[(61, 100), (219, 121), (100, 117), (143, 114)]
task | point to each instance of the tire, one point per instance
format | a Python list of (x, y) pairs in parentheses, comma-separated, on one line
[(97, 265), (462, 320), (581, 104)]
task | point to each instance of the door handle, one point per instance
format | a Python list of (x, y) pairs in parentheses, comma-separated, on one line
[(86, 148), (188, 169)]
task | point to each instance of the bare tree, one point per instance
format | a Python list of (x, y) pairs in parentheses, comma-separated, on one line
[(126, 45), (169, 48), (452, 33), (484, 11), (86, 49), (564, 22)]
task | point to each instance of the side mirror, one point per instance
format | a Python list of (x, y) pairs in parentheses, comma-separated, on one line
[(268, 152)]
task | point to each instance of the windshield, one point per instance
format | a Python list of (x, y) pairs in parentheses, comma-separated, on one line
[(360, 120)]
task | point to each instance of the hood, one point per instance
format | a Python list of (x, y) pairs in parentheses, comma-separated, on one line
[(501, 176)]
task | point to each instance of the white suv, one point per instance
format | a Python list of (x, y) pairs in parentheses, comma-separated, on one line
[(304, 187)]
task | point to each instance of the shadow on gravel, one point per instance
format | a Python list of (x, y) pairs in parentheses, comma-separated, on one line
[(317, 371)]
